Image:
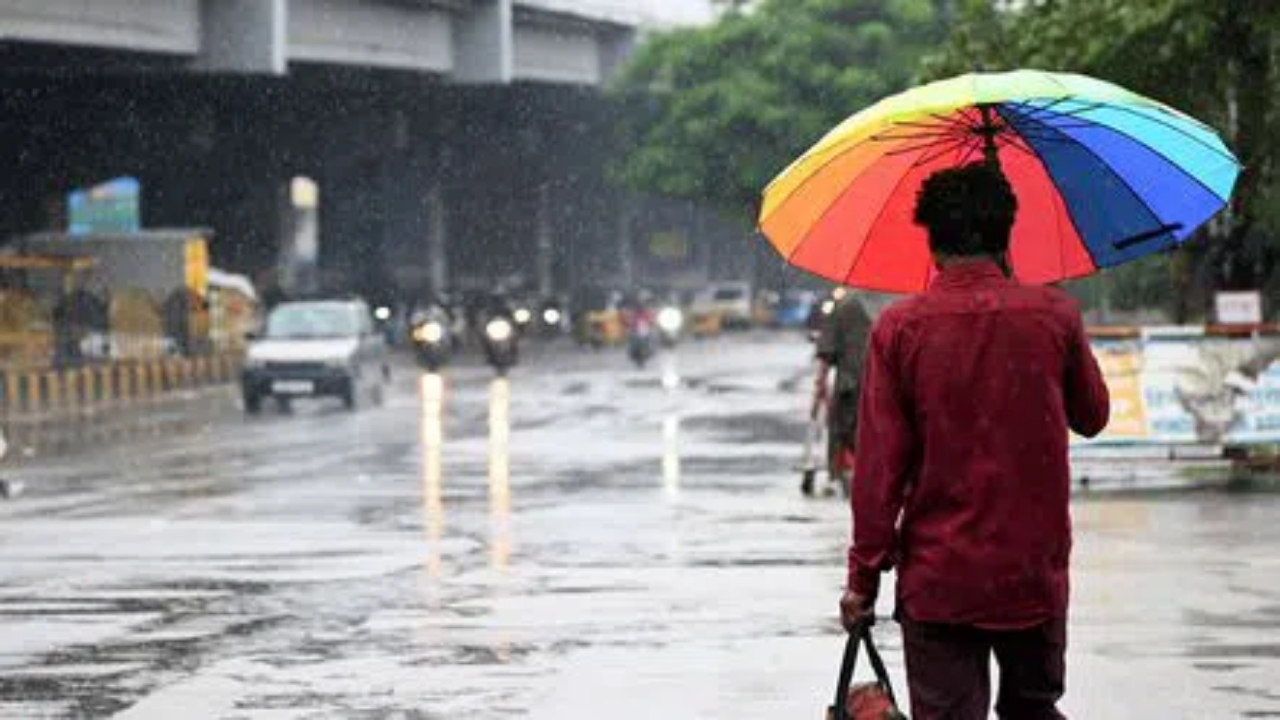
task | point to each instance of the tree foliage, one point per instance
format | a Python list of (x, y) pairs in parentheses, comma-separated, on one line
[(713, 113)]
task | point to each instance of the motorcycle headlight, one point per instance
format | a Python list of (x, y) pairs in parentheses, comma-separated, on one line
[(430, 333), (551, 316), (383, 313), (522, 316), (498, 330), (828, 307), (670, 320)]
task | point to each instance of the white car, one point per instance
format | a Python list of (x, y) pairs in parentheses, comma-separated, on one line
[(730, 300), (326, 348)]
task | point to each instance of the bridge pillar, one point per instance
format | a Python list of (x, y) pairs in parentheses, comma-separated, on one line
[(246, 36), (484, 46)]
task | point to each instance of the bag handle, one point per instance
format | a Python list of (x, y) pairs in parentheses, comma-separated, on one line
[(862, 636)]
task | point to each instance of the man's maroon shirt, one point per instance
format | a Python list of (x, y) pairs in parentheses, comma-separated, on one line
[(962, 481)]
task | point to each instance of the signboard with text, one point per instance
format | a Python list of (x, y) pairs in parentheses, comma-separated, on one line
[(1239, 308), (1181, 387)]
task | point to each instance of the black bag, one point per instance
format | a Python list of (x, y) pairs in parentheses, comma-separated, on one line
[(866, 701)]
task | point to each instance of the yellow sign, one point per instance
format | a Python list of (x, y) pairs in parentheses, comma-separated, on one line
[(197, 275), (1122, 370), (669, 246)]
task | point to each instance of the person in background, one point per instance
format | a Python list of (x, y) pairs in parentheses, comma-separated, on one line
[(841, 346), (962, 471)]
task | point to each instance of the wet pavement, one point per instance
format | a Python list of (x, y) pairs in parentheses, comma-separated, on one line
[(579, 541)]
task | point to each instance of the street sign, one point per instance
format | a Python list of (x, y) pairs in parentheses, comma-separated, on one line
[(1239, 308), (112, 207)]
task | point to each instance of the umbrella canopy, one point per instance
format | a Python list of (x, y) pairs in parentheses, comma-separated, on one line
[(1102, 176)]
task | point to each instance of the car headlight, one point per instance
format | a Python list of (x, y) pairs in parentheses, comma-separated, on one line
[(253, 363), (522, 316), (498, 330), (670, 319), (828, 307), (551, 316), (430, 333), (338, 362)]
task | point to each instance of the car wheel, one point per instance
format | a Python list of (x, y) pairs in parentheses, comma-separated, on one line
[(252, 403), (284, 405), (349, 397)]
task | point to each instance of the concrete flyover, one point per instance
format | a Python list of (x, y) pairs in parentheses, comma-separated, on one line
[(466, 41), (453, 142)]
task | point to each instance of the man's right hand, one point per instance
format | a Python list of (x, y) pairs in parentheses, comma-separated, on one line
[(856, 610)]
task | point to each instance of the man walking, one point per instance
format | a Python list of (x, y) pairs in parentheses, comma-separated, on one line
[(963, 481), (841, 346)]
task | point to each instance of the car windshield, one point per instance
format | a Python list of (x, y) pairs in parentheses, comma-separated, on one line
[(312, 321)]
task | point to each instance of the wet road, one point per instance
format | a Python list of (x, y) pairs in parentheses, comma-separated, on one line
[(579, 541)]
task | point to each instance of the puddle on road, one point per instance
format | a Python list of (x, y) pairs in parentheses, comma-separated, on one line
[(748, 428)]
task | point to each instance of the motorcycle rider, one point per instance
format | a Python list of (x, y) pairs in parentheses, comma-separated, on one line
[(639, 318)]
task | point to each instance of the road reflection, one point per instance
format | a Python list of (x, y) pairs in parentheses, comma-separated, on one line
[(671, 456), (431, 391), (670, 371), (500, 473)]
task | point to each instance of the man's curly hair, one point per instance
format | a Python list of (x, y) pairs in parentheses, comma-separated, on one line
[(968, 210)]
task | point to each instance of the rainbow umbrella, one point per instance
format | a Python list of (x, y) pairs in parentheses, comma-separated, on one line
[(1102, 175)]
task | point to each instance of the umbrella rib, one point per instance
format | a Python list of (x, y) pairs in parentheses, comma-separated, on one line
[(1040, 108), (1074, 113), (928, 126), (969, 150), (890, 136), (1017, 143), (955, 146), (963, 124), (948, 142)]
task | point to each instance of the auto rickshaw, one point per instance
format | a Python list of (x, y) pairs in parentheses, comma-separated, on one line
[(598, 320)]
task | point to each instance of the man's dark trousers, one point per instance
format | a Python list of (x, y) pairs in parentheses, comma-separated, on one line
[(948, 670)]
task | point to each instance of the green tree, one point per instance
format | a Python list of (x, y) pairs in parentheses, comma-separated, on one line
[(712, 114), (1218, 60)]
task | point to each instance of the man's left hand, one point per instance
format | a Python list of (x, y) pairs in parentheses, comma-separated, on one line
[(856, 610)]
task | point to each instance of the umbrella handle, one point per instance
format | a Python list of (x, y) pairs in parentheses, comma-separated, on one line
[(1145, 236)]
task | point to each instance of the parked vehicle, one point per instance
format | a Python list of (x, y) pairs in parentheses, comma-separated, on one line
[(730, 302), (327, 348), (794, 308)]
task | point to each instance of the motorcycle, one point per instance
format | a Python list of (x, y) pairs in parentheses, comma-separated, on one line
[(640, 342), (552, 320), (501, 348), (432, 341)]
